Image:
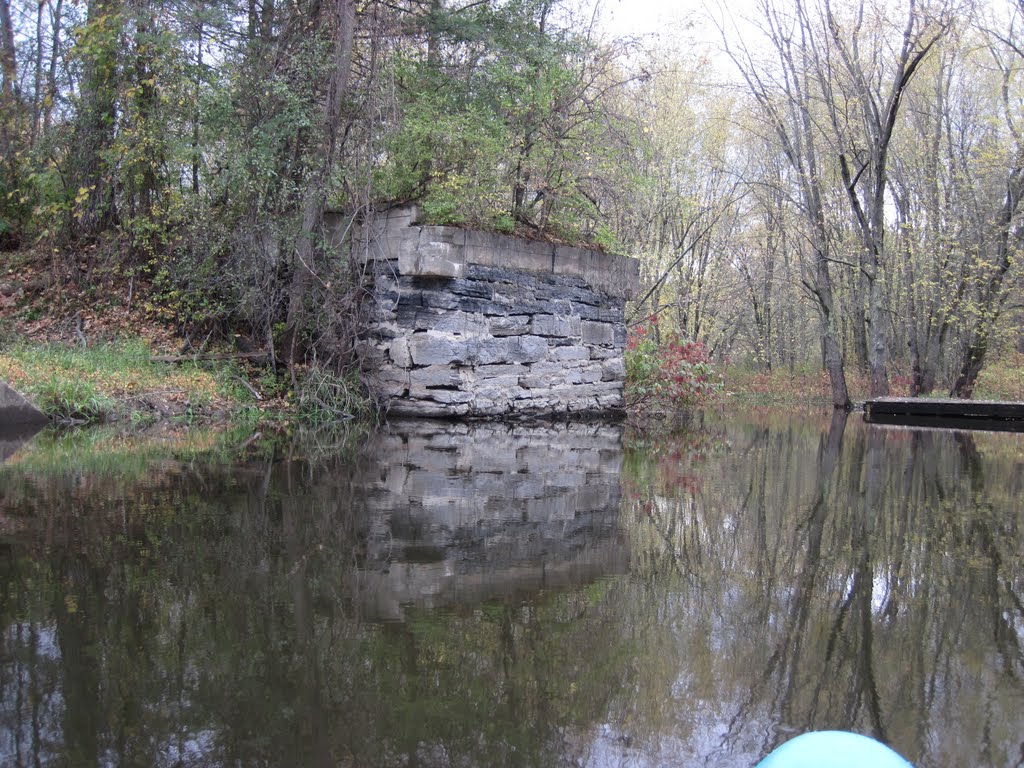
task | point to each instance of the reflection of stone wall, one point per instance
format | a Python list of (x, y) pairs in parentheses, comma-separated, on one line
[(467, 323), (457, 514)]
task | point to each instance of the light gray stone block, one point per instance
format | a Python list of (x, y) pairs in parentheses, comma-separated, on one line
[(599, 334), (613, 369), (571, 353), (398, 351), (559, 326), (433, 348), (510, 325)]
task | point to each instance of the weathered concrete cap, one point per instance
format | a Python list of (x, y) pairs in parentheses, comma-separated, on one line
[(16, 410), (444, 251), (438, 251)]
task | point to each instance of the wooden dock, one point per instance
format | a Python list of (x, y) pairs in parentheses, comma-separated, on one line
[(946, 414)]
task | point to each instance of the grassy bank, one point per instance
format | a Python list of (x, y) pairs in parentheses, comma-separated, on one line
[(117, 381)]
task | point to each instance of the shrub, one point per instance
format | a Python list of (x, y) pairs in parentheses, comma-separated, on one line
[(326, 398), (672, 375)]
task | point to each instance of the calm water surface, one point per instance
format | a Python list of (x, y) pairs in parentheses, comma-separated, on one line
[(442, 595)]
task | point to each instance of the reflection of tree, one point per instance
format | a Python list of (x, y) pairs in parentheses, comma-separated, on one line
[(784, 577), (989, 532), (868, 582), (785, 663)]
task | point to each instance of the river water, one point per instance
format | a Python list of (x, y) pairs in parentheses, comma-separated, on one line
[(450, 595)]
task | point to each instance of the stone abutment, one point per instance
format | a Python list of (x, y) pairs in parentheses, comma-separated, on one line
[(460, 323)]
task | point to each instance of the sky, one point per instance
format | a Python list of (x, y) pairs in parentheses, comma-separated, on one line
[(643, 17), (686, 25), (640, 17)]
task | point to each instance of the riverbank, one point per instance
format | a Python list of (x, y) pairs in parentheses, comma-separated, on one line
[(119, 381), (96, 350), (1001, 379), (105, 347)]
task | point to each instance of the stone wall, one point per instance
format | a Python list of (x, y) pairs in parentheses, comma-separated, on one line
[(464, 323)]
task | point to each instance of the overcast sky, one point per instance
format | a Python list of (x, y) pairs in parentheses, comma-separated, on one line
[(686, 25), (641, 17)]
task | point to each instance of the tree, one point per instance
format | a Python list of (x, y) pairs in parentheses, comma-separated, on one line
[(786, 101), (863, 92), (1000, 234), (94, 209), (10, 140), (501, 112), (342, 23)]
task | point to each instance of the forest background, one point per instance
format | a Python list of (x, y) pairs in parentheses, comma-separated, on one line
[(818, 186)]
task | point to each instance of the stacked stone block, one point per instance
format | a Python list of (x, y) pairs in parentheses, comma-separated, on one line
[(464, 324)]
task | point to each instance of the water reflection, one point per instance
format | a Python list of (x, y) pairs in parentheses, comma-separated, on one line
[(463, 596), (183, 607), (851, 578), (460, 514), (13, 437)]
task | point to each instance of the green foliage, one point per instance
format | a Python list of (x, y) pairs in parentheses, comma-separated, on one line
[(500, 138), (607, 240)]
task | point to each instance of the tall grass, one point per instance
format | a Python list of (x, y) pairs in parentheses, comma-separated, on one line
[(90, 384), (72, 400)]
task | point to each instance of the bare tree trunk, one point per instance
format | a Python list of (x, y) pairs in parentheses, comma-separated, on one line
[(973, 359), (95, 210), (878, 351), (793, 124), (858, 324), (145, 81), (8, 96), (56, 26), (832, 351), (863, 151), (8, 55), (303, 266), (37, 76), (768, 310), (196, 151), (523, 173)]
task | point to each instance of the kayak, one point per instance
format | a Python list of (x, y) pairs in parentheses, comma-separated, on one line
[(833, 749)]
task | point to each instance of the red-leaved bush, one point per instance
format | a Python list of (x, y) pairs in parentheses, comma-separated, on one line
[(674, 374)]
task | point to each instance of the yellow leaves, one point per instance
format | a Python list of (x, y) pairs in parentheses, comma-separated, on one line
[(83, 194)]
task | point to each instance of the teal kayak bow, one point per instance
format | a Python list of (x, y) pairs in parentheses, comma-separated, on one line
[(833, 749)]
